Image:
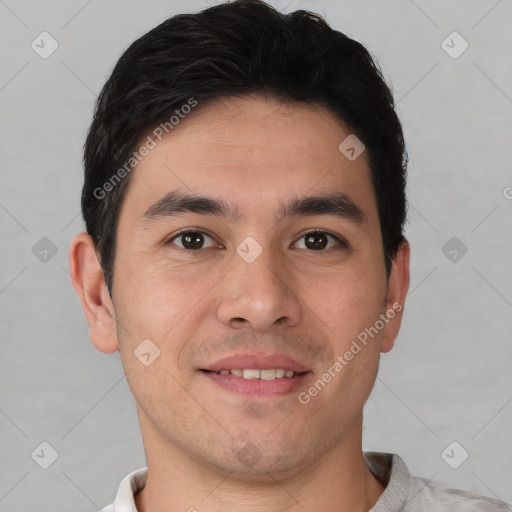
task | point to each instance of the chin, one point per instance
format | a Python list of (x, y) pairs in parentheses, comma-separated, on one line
[(249, 464)]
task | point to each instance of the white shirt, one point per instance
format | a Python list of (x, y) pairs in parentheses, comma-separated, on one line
[(403, 493)]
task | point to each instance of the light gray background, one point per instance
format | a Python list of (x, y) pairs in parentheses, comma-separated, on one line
[(449, 376)]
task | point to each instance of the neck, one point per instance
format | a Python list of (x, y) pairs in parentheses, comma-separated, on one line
[(340, 481)]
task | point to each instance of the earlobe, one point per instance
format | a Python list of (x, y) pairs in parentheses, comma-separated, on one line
[(398, 285), (88, 281)]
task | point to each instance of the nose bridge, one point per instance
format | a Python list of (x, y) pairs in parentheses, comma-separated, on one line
[(254, 258), (256, 291), (266, 272)]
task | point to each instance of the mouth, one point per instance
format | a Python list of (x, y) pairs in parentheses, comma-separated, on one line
[(257, 375), (254, 373)]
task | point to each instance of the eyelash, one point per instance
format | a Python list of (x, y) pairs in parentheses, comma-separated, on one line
[(341, 241)]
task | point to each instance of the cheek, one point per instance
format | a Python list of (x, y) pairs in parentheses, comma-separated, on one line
[(347, 301), (165, 306), (155, 298)]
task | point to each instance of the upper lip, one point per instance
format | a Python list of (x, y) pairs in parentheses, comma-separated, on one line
[(257, 361)]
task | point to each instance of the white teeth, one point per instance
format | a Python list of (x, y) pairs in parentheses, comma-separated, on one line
[(253, 373), (268, 374)]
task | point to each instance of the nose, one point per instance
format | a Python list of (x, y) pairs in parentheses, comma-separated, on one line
[(259, 294)]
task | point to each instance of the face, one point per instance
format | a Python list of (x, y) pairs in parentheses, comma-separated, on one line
[(262, 279)]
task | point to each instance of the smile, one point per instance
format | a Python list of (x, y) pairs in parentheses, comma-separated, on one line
[(254, 373)]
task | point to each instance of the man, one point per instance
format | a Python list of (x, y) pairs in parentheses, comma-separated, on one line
[(244, 203)]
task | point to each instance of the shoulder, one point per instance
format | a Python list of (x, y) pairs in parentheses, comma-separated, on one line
[(406, 493), (425, 495)]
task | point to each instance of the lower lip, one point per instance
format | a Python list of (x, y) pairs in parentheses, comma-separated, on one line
[(257, 387)]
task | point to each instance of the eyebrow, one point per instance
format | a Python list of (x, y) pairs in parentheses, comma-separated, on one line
[(337, 204)]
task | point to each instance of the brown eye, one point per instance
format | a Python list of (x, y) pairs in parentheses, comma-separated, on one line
[(319, 240), (192, 240), (316, 241)]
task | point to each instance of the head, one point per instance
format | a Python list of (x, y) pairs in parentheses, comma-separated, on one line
[(232, 124)]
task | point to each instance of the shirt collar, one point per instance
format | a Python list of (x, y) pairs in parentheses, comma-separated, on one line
[(391, 471), (130, 485)]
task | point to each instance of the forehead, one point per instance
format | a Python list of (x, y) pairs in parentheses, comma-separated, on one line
[(254, 152)]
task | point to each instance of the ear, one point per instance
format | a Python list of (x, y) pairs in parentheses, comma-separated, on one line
[(398, 285), (88, 281)]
